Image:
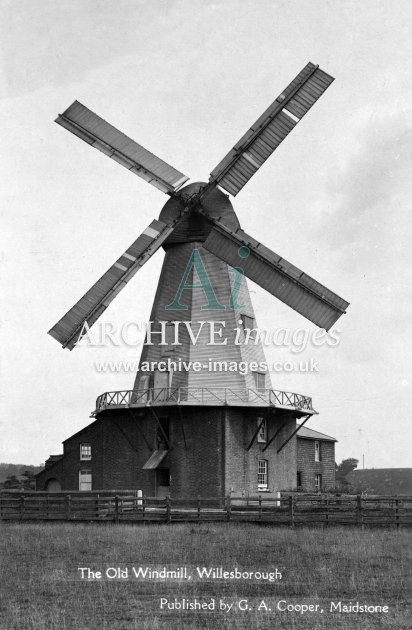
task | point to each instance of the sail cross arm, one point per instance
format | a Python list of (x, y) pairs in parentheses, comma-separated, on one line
[(87, 310), (276, 275), (271, 128), (94, 130)]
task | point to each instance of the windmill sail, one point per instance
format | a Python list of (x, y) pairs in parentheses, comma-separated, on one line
[(88, 126), (89, 308), (259, 142), (279, 277)]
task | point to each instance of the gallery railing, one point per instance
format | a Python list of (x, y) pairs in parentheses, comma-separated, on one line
[(204, 396)]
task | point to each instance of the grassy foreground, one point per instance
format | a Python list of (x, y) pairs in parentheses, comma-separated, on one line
[(40, 586)]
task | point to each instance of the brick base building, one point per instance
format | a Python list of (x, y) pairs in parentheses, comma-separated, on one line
[(315, 461), (188, 451)]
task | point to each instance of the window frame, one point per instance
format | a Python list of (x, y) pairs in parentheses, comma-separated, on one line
[(88, 472), (85, 446), (256, 376), (248, 324), (318, 482), (298, 479), (245, 321), (263, 475), (317, 451)]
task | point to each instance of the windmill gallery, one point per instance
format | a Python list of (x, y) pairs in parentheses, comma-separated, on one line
[(200, 433)]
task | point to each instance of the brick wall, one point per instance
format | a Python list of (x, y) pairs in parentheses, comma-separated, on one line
[(119, 452), (198, 469), (208, 458), (241, 465), (309, 468)]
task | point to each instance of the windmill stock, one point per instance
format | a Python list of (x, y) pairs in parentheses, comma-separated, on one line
[(200, 215)]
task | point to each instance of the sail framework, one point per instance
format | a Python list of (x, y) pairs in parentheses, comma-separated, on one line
[(202, 210)]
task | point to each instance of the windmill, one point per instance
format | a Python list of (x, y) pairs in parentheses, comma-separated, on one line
[(207, 254)]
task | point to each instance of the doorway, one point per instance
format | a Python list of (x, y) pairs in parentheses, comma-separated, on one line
[(162, 482), (53, 485)]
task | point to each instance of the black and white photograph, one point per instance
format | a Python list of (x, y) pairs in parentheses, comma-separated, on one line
[(206, 323)]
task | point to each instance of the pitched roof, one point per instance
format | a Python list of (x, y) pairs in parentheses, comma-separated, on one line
[(310, 434)]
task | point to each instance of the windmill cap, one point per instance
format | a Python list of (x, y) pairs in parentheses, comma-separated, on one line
[(195, 227)]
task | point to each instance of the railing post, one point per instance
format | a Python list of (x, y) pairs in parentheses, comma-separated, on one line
[(168, 511), (116, 509), (327, 512), (260, 506), (68, 507), (228, 507), (291, 511), (198, 508)]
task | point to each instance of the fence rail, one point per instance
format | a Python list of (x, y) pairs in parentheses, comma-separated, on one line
[(128, 506)]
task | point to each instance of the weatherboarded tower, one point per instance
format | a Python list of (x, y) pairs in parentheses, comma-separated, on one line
[(202, 418)]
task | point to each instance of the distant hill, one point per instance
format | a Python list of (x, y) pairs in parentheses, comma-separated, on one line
[(382, 480), (6, 470)]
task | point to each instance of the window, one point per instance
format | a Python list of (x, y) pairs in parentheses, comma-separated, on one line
[(85, 480), (262, 474), (248, 324), (263, 430), (317, 451), (318, 482), (260, 378), (85, 452), (299, 479), (162, 380), (169, 337)]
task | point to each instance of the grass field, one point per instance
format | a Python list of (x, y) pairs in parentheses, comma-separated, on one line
[(41, 588)]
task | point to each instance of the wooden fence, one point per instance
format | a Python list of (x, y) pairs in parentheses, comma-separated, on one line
[(297, 509)]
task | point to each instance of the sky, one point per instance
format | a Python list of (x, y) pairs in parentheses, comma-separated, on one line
[(186, 79)]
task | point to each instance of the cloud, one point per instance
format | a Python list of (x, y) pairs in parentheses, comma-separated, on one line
[(373, 185)]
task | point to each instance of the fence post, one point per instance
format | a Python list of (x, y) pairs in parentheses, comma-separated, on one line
[(168, 512), (291, 511), (116, 509), (22, 499), (260, 506), (397, 512), (327, 512), (198, 508), (68, 507), (228, 506), (359, 509)]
